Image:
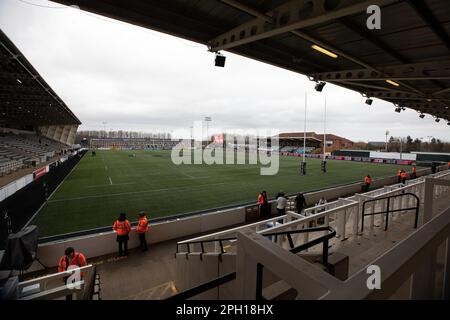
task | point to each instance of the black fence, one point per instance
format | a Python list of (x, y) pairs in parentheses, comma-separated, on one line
[(22, 205)]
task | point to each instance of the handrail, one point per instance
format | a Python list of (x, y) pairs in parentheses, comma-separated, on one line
[(322, 239), (204, 241), (231, 276), (189, 293), (388, 210)]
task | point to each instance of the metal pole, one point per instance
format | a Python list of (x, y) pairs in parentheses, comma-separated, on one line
[(401, 147), (386, 147), (325, 130), (304, 132)]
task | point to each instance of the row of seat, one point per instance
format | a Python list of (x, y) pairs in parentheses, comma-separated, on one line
[(22, 150), (133, 143)]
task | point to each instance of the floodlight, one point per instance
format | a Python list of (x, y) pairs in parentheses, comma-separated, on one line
[(220, 60), (319, 86)]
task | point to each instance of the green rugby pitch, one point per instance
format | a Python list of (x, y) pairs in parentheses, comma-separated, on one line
[(101, 187)]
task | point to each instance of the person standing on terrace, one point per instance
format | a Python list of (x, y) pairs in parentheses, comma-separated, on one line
[(122, 227)]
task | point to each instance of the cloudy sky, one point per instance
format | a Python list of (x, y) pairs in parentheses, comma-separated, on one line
[(133, 78)]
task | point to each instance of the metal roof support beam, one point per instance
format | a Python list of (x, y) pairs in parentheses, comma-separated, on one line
[(302, 35), (394, 94), (437, 109), (414, 71), (292, 15), (362, 85), (369, 36), (441, 92), (428, 17)]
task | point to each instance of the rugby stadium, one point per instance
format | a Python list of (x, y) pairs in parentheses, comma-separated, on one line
[(331, 211)]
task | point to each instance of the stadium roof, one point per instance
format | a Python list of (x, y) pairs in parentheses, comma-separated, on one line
[(25, 98), (411, 49)]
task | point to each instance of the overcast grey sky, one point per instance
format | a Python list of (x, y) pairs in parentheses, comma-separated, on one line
[(138, 79)]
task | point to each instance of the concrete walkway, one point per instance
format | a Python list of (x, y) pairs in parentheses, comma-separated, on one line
[(141, 275)]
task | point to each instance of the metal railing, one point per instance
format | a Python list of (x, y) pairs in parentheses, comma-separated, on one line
[(410, 269), (324, 239), (389, 210), (202, 242), (192, 292), (53, 286)]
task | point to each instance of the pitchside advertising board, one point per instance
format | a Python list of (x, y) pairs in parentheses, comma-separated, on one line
[(40, 172), (358, 159)]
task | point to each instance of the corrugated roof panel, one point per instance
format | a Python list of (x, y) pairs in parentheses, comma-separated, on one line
[(439, 8)]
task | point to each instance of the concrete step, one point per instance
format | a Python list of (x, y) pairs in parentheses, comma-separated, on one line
[(280, 290)]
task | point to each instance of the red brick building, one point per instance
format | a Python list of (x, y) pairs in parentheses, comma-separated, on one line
[(334, 142)]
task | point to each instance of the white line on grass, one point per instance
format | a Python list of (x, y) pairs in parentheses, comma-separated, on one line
[(110, 181), (109, 185), (187, 175), (195, 178), (137, 192), (48, 199)]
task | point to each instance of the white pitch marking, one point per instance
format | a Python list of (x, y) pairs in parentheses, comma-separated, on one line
[(109, 185), (110, 181), (138, 192)]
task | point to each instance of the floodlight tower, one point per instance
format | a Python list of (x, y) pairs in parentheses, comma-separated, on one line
[(104, 127), (303, 166), (324, 161), (386, 133)]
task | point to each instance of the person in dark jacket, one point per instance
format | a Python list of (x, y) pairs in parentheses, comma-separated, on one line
[(300, 203)]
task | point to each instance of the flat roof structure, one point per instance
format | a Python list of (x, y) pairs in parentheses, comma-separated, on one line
[(405, 62), (25, 98)]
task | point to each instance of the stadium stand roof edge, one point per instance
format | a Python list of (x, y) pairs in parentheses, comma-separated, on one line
[(411, 51), (25, 97)]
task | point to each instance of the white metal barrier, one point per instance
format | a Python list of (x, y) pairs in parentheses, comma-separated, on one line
[(53, 286), (409, 270), (343, 214)]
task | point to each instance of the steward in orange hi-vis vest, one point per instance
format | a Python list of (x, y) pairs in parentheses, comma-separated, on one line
[(404, 176), (141, 229), (71, 258), (367, 182), (123, 227), (142, 226)]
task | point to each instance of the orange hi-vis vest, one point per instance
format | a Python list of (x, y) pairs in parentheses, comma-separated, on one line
[(122, 227), (399, 173), (367, 180), (260, 199), (77, 260), (404, 175), (142, 226), (414, 170)]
